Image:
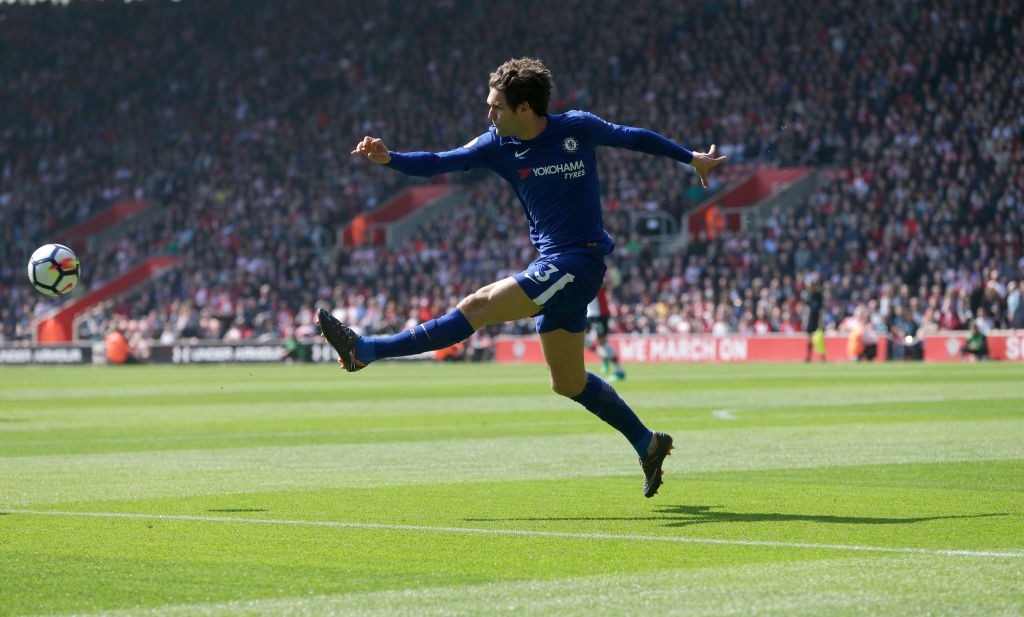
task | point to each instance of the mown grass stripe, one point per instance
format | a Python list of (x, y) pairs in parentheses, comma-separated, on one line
[(1012, 554)]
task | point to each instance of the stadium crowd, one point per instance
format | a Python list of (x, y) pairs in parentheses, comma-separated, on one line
[(237, 118)]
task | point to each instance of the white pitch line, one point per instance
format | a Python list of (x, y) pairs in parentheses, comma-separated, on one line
[(729, 413), (1012, 553)]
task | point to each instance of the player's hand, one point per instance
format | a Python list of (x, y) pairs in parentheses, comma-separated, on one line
[(375, 150), (704, 162)]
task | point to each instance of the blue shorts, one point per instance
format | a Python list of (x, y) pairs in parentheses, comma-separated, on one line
[(562, 286)]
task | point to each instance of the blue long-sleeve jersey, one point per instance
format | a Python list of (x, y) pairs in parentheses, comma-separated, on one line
[(554, 174)]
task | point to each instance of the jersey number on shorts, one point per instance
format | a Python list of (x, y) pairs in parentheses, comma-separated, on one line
[(543, 277)]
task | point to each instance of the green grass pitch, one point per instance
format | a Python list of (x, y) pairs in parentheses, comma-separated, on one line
[(430, 489)]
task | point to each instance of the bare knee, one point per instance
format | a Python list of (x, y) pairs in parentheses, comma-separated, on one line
[(568, 387), (498, 302), (474, 306)]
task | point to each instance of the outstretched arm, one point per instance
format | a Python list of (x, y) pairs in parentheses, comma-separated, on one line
[(643, 140), (420, 163), (653, 143)]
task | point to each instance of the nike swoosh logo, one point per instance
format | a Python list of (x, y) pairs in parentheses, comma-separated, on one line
[(520, 155)]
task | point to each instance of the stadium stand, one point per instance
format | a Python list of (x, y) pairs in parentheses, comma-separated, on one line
[(237, 118)]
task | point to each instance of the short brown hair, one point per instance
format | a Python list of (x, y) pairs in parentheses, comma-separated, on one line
[(524, 80)]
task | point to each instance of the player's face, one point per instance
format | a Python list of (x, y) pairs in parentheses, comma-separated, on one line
[(507, 122)]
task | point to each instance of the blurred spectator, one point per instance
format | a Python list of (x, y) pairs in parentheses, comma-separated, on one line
[(117, 349), (902, 335), (1014, 306), (976, 346)]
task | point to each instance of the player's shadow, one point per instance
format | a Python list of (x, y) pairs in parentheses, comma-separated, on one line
[(683, 516)]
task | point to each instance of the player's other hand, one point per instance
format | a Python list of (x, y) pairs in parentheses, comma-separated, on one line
[(375, 150), (704, 162)]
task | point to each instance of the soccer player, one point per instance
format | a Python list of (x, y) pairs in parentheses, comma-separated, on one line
[(815, 303), (550, 162), (598, 313)]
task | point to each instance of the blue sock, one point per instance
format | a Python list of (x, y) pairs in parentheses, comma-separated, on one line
[(435, 334), (601, 400)]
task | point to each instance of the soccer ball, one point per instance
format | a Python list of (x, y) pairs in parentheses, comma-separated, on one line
[(53, 269)]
